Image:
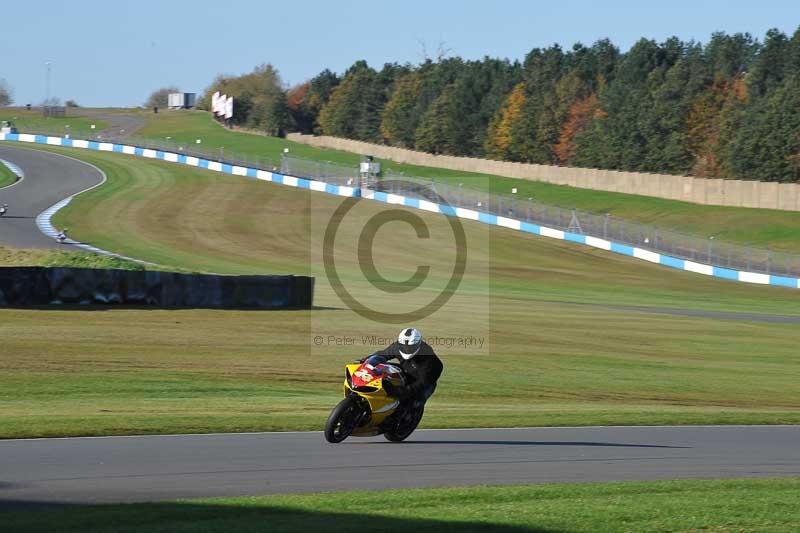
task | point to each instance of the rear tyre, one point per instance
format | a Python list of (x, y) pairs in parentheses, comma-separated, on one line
[(405, 426), (342, 420)]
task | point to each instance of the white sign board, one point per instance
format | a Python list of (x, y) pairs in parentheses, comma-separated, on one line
[(229, 107), (175, 100), (221, 104), (215, 103), (368, 167)]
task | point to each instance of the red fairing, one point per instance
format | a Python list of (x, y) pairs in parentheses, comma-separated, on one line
[(367, 373)]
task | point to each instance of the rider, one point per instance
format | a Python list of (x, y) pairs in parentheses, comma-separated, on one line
[(419, 363)]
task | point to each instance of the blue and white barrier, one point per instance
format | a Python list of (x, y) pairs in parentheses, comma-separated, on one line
[(469, 214)]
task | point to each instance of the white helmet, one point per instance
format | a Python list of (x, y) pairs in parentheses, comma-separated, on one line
[(410, 340)]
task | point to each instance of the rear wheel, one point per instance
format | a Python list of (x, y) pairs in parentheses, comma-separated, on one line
[(405, 426), (342, 420)]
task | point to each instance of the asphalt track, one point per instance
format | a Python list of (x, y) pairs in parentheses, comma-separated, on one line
[(49, 178), (119, 125), (133, 469)]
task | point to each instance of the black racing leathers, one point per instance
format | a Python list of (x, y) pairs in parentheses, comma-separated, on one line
[(422, 371)]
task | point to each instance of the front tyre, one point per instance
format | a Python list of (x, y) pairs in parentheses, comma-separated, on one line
[(342, 420)]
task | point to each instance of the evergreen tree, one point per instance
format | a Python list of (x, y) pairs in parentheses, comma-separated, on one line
[(768, 69), (399, 119), (677, 107), (532, 135), (319, 92), (767, 145), (432, 134), (619, 139)]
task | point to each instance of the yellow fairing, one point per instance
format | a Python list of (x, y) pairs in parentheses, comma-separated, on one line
[(380, 404)]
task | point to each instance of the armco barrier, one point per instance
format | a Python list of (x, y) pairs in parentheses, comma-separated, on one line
[(631, 251), (35, 286)]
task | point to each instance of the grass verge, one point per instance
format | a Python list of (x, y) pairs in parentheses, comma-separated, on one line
[(682, 505), (6, 176), (779, 230), (59, 258), (73, 124)]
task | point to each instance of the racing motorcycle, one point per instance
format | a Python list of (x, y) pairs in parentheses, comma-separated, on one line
[(3, 209), (367, 410)]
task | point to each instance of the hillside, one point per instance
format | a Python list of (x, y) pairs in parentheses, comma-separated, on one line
[(778, 230)]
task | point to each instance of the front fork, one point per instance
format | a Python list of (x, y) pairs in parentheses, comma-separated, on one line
[(365, 413)]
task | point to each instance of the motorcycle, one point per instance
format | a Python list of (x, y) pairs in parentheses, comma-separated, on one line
[(3, 209), (367, 410)]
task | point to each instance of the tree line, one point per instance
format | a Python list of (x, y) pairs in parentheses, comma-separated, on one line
[(729, 108)]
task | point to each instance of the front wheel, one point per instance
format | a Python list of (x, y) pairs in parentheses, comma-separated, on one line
[(342, 420)]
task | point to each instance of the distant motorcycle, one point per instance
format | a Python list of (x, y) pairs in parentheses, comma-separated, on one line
[(3, 209), (62, 236), (367, 410)]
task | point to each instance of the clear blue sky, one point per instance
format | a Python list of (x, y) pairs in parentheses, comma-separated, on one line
[(115, 53)]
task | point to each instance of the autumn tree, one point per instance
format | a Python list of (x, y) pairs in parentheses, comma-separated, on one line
[(302, 118), (710, 115), (580, 113), (259, 99), (498, 139), (315, 94)]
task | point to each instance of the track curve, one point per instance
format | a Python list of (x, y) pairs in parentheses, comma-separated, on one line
[(42, 187), (151, 468)]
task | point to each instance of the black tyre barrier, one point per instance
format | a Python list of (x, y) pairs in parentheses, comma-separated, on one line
[(37, 286)]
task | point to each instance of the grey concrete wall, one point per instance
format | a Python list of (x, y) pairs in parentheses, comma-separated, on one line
[(733, 193)]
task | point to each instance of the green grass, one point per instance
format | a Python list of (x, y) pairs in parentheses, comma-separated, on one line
[(59, 258), (779, 230), (6, 176), (682, 505), (33, 120), (187, 127), (566, 340)]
